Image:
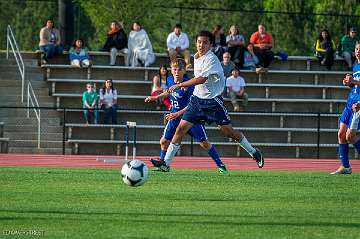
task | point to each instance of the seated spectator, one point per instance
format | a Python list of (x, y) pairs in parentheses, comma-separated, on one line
[(158, 87), (346, 47), (236, 45), (250, 59), (90, 104), (178, 44), (263, 43), (235, 85), (79, 55), (227, 64), (139, 46), (116, 41), (325, 49), (219, 46), (108, 101), (50, 42)]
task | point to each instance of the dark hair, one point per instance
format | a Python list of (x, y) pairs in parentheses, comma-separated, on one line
[(328, 35), (104, 85), (178, 25), (217, 29), (50, 21), (132, 28), (167, 72), (79, 39), (207, 34)]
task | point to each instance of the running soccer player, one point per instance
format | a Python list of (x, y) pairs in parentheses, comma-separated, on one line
[(206, 103), (350, 117), (179, 100)]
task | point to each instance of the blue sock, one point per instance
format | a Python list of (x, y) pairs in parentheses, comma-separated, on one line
[(357, 146), (344, 155), (215, 156), (162, 154)]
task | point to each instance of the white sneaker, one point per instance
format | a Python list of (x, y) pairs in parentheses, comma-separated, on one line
[(342, 170)]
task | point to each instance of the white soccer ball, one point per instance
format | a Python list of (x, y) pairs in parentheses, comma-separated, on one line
[(134, 173)]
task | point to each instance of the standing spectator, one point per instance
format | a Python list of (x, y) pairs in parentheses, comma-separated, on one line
[(178, 44), (325, 49), (219, 46), (347, 45), (79, 55), (139, 46), (50, 42), (263, 43), (159, 86), (250, 59), (116, 42), (108, 101), (90, 104), (235, 85), (236, 45), (227, 64)]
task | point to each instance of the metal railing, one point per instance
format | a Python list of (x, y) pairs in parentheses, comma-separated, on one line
[(10, 41), (34, 104)]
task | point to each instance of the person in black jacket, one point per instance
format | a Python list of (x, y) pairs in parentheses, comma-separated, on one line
[(219, 45), (116, 42)]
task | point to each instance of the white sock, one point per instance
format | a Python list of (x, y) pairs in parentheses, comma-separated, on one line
[(171, 152), (247, 146)]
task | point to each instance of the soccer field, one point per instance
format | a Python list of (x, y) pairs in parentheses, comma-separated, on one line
[(94, 203)]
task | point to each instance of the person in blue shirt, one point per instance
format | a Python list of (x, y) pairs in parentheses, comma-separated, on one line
[(179, 100), (350, 117)]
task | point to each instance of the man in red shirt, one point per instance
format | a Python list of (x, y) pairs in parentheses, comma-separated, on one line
[(263, 42)]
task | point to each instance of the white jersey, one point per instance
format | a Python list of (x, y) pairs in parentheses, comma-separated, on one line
[(209, 66)]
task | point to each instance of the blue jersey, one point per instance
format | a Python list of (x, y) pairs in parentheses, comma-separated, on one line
[(180, 97), (354, 95)]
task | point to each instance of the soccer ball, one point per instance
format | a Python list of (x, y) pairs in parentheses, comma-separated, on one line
[(134, 173)]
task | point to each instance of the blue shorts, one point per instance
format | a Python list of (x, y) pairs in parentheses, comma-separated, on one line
[(202, 111), (350, 118), (197, 131)]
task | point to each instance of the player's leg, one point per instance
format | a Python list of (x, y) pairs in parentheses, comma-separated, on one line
[(230, 132), (197, 131), (165, 140), (174, 146), (220, 116), (343, 144)]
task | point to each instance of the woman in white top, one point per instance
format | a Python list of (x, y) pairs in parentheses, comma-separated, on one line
[(140, 48), (108, 101)]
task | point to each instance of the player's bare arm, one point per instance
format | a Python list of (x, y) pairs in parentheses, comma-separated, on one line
[(193, 81), (356, 107), (175, 115), (157, 97)]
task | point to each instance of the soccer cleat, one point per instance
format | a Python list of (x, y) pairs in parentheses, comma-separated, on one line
[(222, 169), (160, 164), (257, 156), (156, 162), (342, 170)]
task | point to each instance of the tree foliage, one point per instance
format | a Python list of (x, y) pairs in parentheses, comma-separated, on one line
[(294, 33)]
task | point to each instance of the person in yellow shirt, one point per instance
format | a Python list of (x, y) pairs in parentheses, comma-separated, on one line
[(325, 49)]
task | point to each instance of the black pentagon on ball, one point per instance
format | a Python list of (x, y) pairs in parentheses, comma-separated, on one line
[(140, 169), (133, 182)]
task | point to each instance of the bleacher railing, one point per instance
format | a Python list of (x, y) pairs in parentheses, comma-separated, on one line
[(11, 42), (34, 104)]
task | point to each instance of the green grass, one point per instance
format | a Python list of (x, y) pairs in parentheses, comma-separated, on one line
[(94, 203)]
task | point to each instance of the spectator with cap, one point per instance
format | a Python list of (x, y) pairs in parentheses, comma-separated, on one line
[(346, 47), (178, 44)]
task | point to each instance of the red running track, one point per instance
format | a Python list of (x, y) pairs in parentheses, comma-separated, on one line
[(89, 161)]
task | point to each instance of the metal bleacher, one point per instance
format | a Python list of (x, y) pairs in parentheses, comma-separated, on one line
[(292, 112)]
